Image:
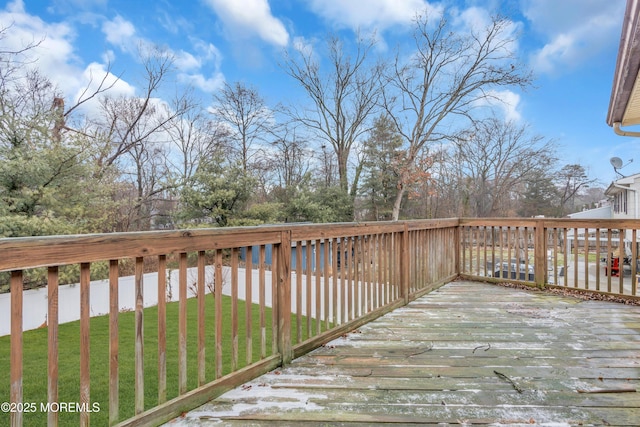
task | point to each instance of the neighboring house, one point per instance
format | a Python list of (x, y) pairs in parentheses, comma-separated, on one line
[(625, 200), (602, 212), (624, 203)]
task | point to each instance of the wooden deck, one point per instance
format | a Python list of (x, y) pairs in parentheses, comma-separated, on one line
[(468, 353)]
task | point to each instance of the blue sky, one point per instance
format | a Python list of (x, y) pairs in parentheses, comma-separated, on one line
[(570, 45)]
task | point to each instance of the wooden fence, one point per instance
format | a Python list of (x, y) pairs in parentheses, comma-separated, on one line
[(590, 255), (303, 286), (310, 284)]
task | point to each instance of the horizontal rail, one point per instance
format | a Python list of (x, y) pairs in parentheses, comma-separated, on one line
[(31, 252)]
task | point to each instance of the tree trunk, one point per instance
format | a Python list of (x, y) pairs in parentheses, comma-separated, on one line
[(343, 156), (397, 204)]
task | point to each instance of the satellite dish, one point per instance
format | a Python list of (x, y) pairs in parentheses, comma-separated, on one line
[(616, 162)]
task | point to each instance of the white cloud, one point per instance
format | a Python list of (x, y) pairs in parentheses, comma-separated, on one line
[(479, 20), (509, 102), (173, 24), (53, 54), (192, 67), (96, 74), (303, 46), (505, 101), (92, 77), (373, 14), (575, 30), (209, 85), (108, 56), (119, 32), (250, 17), (208, 52), (186, 61)]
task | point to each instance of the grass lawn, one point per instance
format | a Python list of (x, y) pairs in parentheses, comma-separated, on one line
[(35, 359)]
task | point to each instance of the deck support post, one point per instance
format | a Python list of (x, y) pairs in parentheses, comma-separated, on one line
[(283, 280), (457, 236), (540, 254), (404, 264)]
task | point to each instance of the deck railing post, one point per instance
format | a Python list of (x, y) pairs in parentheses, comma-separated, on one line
[(283, 280), (404, 264), (540, 254), (458, 248)]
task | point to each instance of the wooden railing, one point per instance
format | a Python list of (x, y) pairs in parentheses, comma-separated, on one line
[(210, 309), (141, 365), (590, 255)]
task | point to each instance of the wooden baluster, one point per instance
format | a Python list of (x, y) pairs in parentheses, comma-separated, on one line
[(262, 290), (318, 285), (182, 324), (218, 281), (248, 305), (52, 325), (598, 255), (334, 277), (308, 276), (634, 261), (299, 274), (326, 273), (85, 316), (114, 311), (162, 329), (139, 336), (234, 309), (201, 319), (15, 417)]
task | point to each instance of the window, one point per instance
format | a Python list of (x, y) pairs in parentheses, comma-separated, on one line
[(620, 202)]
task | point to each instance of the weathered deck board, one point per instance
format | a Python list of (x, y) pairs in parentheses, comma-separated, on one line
[(439, 360)]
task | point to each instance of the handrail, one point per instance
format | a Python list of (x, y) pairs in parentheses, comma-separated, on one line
[(309, 283), (597, 255)]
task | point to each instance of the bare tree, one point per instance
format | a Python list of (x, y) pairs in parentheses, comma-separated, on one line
[(571, 179), (242, 109), (196, 138), (132, 133), (291, 159), (344, 97), (496, 158), (121, 127), (446, 76)]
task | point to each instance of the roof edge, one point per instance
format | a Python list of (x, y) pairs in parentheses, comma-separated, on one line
[(627, 63)]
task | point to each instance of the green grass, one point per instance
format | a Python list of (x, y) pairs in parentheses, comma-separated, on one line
[(35, 359)]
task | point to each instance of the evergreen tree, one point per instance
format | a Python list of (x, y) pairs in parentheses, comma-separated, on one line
[(539, 196), (217, 193), (382, 152)]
